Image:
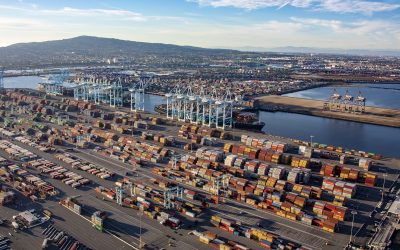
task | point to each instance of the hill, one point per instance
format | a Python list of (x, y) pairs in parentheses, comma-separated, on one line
[(90, 50)]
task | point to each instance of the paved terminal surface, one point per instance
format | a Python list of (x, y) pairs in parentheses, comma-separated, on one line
[(123, 223), (123, 226), (373, 115)]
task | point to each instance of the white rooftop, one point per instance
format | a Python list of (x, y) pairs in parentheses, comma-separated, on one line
[(395, 207), (28, 216)]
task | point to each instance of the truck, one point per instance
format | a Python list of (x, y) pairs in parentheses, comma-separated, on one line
[(45, 244), (97, 219), (172, 222)]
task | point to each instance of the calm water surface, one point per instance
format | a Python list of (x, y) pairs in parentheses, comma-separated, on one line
[(352, 135), (22, 82)]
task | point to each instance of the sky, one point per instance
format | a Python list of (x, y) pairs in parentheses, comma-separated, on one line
[(344, 24)]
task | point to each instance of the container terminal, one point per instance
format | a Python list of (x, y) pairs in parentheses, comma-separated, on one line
[(85, 172), (336, 107)]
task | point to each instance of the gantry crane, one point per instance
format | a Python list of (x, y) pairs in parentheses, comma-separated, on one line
[(208, 108), (54, 85), (137, 93), (1, 78)]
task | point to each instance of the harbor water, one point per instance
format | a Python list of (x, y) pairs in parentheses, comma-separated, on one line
[(352, 135), (30, 82)]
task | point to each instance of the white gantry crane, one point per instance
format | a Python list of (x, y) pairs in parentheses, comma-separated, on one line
[(335, 100), (116, 93), (137, 92), (212, 108), (225, 106), (359, 103), (100, 91), (347, 102)]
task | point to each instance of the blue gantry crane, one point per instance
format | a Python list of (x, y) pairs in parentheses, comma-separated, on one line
[(54, 85), (1, 78)]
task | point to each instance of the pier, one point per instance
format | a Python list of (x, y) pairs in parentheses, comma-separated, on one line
[(372, 115)]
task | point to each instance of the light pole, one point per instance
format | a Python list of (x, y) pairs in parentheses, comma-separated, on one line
[(140, 230), (383, 185), (352, 224), (311, 137)]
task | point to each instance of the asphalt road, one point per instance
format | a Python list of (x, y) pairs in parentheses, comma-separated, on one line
[(307, 235)]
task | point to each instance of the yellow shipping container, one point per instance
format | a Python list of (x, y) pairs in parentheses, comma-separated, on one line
[(338, 203), (290, 216), (338, 217), (149, 214), (295, 210), (204, 240), (339, 197), (224, 247), (250, 201), (216, 218), (281, 213), (297, 188), (258, 192), (261, 182), (328, 229)]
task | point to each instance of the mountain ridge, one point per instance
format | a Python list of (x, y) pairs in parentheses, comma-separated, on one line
[(91, 49)]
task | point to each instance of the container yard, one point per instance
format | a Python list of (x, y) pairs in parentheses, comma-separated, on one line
[(140, 180)]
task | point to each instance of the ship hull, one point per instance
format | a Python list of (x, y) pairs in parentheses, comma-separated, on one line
[(249, 126)]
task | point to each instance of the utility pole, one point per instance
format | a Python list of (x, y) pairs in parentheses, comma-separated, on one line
[(140, 229), (352, 225), (383, 185)]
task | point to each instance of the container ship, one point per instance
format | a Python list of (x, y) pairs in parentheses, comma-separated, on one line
[(242, 118)]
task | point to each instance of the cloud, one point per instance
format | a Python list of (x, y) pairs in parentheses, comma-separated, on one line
[(126, 15), (20, 23), (335, 25), (67, 11), (253, 4), (360, 27), (339, 6), (356, 6), (278, 26)]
